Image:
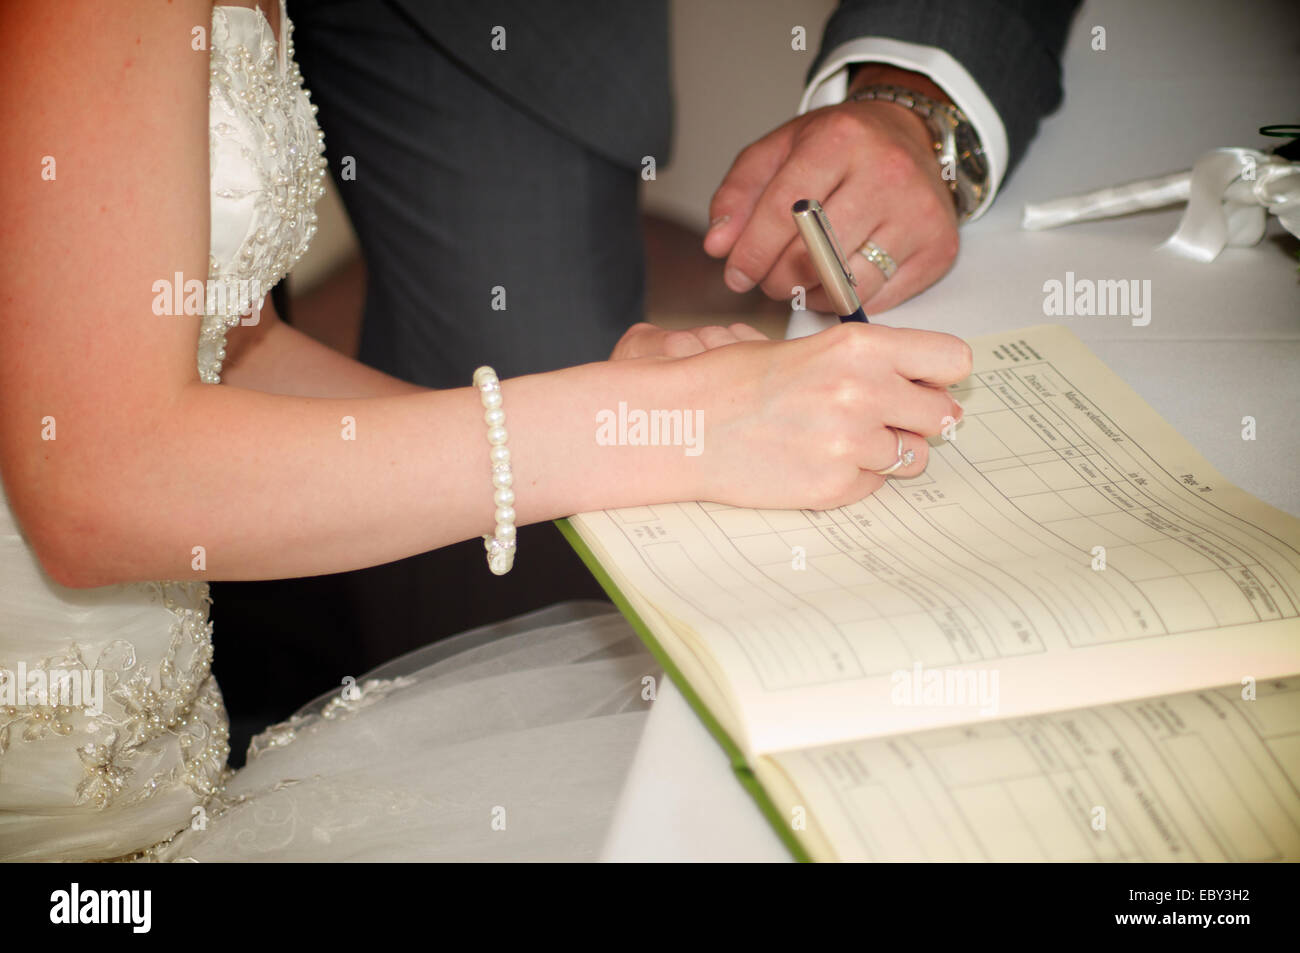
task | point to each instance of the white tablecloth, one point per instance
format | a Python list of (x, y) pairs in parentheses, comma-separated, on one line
[(1177, 79)]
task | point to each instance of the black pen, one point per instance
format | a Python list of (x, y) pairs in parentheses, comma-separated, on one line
[(828, 259)]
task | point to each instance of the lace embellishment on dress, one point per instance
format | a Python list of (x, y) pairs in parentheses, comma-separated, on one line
[(143, 708), (345, 703), (266, 155)]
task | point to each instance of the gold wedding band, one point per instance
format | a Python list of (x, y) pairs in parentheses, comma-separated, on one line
[(880, 258)]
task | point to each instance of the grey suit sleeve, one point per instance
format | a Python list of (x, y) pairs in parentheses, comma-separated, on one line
[(1012, 48)]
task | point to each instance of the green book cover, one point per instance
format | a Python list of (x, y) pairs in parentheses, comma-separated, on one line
[(739, 765)]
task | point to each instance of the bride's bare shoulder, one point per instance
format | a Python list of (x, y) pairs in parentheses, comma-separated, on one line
[(104, 186), (111, 117), (85, 29)]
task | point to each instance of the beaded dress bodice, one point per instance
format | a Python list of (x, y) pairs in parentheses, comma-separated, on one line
[(137, 753), (268, 169)]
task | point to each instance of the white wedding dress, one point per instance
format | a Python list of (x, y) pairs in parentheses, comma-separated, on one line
[(504, 743)]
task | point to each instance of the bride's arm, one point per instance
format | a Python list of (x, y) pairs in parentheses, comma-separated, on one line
[(147, 463), (276, 358)]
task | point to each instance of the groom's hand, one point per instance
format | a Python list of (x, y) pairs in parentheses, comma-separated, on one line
[(872, 166), (647, 340)]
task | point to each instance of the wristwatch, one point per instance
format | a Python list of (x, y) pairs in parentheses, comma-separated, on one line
[(956, 144)]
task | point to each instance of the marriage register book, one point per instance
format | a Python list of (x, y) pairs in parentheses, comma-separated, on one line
[(1069, 639)]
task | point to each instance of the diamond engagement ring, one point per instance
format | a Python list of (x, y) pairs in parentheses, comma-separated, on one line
[(905, 457)]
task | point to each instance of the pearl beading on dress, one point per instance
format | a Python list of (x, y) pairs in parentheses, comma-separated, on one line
[(146, 708), (258, 107)]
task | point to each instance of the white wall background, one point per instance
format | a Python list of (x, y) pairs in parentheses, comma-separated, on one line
[(735, 78)]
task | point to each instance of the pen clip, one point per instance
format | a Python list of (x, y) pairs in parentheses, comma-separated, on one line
[(825, 224)]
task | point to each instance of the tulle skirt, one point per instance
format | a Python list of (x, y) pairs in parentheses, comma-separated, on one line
[(506, 743)]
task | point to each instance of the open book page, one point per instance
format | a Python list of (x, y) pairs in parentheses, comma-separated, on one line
[(1065, 548), (1198, 776), (698, 668)]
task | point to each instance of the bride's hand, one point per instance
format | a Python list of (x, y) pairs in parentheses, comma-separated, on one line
[(647, 340), (803, 423)]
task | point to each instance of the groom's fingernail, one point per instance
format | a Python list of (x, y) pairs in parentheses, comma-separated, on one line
[(720, 220), (737, 280)]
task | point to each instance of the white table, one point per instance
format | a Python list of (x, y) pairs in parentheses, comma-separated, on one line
[(1177, 79)]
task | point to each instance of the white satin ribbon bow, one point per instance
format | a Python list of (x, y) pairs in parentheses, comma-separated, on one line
[(1229, 193)]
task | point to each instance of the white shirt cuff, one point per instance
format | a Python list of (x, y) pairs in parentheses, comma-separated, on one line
[(831, 84)]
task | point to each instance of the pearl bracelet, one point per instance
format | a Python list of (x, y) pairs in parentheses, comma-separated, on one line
[(500, 547)]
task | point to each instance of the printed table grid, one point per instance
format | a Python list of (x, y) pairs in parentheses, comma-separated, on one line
[(1058, 765), (813, 597), (1098, 474)]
